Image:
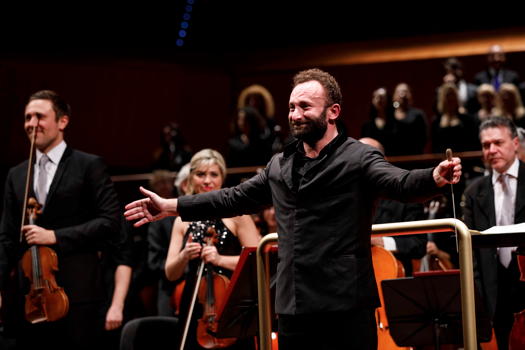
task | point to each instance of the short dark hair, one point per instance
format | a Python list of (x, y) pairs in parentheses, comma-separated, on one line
[(327, 81), (452, 63), (499, 122), (60, 106)]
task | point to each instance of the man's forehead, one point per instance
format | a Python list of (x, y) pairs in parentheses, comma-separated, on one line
[(498, 132), (39, 105), (308, 90)]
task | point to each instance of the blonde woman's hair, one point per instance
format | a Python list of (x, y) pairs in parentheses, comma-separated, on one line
[(205, 157), (519, 110), (442, 95)]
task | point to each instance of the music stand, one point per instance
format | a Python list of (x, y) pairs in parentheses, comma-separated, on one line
[(238, 314), (426, 310)]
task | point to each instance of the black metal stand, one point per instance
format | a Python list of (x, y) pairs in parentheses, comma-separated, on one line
[(426, 310)]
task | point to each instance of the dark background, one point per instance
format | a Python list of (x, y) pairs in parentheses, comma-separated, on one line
[(121, 70)]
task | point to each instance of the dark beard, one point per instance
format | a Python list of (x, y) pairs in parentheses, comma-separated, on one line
[(312, 130)]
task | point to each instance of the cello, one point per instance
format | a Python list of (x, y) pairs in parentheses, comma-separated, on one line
[(209, 290), (386, 266), (45, 301)]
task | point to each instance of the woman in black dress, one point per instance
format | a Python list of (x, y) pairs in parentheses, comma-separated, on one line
[(188, 246)]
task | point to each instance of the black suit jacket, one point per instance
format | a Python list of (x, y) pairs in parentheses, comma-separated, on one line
[(324, 224), (83, 210), (480, 214), (507, 76)]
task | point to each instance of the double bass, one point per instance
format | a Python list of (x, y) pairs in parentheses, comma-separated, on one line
[(45, 301)]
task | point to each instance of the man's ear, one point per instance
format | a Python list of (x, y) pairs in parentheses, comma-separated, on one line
[(63, 121), (334, 111)]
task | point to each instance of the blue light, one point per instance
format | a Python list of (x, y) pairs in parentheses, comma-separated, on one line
[(186, 17), (179, 42), (184, 25), (189, 8), (190, 2), (182, 33)]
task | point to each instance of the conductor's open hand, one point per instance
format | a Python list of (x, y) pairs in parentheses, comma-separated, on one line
[(149, 209), (447, 172)]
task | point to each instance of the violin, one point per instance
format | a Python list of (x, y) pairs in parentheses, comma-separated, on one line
[(46, 301), (209, 290)]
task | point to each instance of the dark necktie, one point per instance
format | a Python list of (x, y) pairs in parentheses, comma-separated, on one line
[(496, 81)]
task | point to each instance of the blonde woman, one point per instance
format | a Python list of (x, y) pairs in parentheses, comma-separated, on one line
[(510, 105), (188, 239), (487, 101)]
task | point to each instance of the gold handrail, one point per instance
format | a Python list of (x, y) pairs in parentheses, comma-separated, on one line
[(263, 293), (399, 228)]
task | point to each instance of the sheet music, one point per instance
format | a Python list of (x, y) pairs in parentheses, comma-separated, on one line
[(506, 228)]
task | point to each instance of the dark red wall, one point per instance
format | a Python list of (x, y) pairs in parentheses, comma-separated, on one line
[(119, 106)]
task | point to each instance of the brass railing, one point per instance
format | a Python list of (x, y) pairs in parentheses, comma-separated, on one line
[(393, 229)]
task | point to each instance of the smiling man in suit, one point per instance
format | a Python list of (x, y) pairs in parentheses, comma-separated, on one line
[(498, 199), (80, 215)]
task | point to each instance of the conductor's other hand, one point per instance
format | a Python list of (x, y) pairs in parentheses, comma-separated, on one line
[(149, 209), (447, 172)]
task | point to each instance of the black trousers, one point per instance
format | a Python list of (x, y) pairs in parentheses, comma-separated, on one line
[(349, 330), (510, 300)]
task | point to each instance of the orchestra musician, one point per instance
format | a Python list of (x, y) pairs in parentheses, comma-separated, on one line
[(80, 215), (187, 245), (323, 187), (488, 202)]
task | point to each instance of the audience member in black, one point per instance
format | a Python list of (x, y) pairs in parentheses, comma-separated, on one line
[(451, 128), (159, 236), (173, 152), (495, 73), (404, 248), (380, 124), (510, 105), (468, 102), (487, 101), (251, 143), (410, 125), (260, 98)]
